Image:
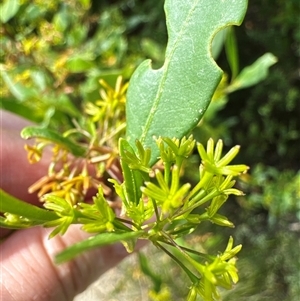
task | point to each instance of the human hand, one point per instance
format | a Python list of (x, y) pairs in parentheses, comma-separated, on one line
[(27, 269)]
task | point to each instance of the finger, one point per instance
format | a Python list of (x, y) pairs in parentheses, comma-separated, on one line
[(16, 174), (29, 273), (11, 121)]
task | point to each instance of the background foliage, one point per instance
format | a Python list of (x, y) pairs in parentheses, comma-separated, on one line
[(50, 66)]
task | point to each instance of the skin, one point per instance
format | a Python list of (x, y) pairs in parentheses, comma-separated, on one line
[(27, 270)]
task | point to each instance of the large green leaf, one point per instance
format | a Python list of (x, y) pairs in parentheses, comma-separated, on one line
[(171, 101), (99, 240)]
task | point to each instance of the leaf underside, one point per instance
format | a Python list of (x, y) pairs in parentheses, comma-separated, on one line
[(170, 101)]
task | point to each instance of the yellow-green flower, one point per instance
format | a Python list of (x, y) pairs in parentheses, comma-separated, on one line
[(213, 163)]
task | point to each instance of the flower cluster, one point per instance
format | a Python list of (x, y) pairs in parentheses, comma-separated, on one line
[(70, 176), (154, 203)]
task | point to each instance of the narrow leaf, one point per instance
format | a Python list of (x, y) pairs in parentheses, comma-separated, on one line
[(12, 205), (93, 242), (232, 53), (145, 267), (19, 91), (132, 178), (218, 43), (170, 101), (22, 224), (79, 64), (35, 132), (254, 73)]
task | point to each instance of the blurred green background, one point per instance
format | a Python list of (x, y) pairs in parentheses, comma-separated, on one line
[(53, 53)]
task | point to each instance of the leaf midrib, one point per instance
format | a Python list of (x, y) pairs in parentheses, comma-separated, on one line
[(164, 75)]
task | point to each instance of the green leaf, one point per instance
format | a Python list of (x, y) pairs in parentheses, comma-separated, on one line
[(170, 101), (62, 103), (145, 268), (35, 132), (232, 52), (218, 42), (12, 205), (4, 224), (12, 221), (66, 105), (254, 73), (8, 9), (78, 64), (93, 242), (133, 179), (39, 79), (9, 104), (19, 91)]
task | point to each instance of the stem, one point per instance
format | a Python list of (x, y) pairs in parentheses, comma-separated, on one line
[(193, 277), (113, 133), (174, 244), (155, 210), (202, 255), (122, 221), (208, 197)]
